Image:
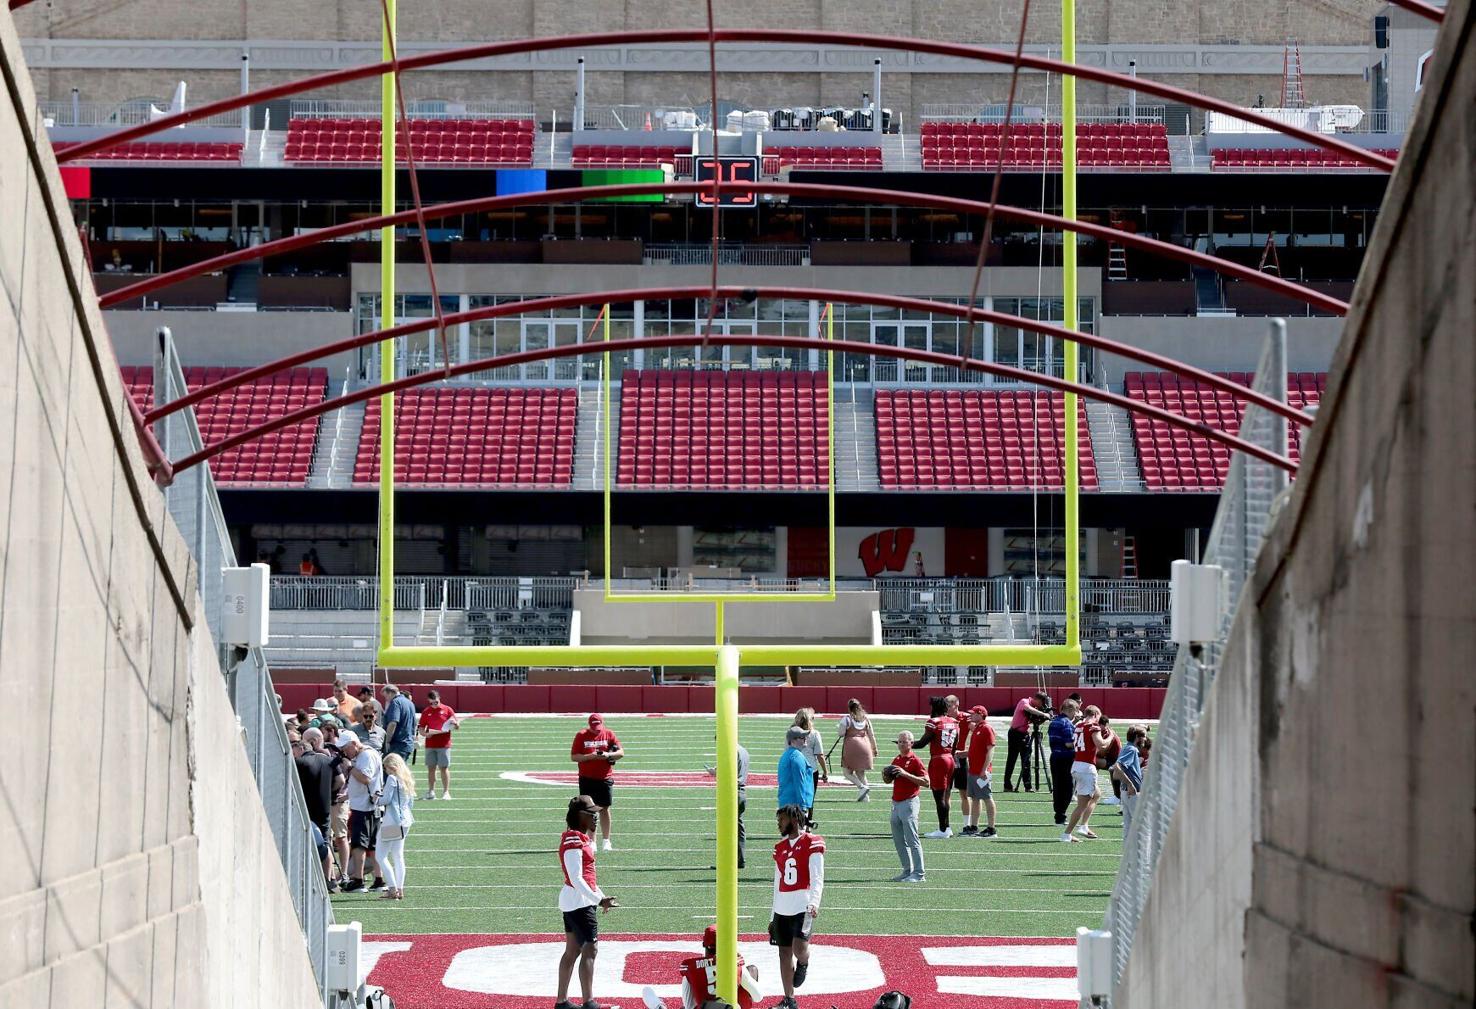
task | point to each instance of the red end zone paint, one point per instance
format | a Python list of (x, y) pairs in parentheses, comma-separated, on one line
[(848, 972)]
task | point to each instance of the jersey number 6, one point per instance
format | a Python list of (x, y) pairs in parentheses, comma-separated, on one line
[(791, 872)]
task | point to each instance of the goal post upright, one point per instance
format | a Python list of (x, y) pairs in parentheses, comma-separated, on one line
[(387, 349), (1071, 352), (726, 705)]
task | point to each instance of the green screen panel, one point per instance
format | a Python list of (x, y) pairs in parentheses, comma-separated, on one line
[(625, 177)]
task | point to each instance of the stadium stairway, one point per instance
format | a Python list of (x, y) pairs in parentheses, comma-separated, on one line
[(855, 440), (337, 448), (1112, 445), (589, 441)]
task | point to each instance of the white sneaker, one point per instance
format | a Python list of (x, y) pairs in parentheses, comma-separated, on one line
[(428, 796), (1068, 839), (446, 795), (938, 834), (608, 846), (865, 795), (1111, 800)]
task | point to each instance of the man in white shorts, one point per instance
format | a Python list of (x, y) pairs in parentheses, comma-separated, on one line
[(1089, 736)]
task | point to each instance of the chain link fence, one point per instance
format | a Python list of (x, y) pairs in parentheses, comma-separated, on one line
[(1246, 510), (195, 508)]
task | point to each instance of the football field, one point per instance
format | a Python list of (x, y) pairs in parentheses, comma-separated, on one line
[(479, 924)]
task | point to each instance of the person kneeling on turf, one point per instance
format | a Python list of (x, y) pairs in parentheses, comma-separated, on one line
[(799, 880), (699, 980)]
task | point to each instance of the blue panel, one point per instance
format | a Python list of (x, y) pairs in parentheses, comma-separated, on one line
[(511, 181)]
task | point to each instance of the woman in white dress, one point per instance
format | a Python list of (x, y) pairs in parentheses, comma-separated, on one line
[(858, 747)]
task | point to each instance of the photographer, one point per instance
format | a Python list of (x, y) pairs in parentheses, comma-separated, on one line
[(1062, 734), (1017, 738)]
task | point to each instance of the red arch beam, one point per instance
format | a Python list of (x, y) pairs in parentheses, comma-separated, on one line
[(761, 35), (735, 293), (689, 340), (862, 194)]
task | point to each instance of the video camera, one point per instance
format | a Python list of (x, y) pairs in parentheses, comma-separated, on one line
[(893, 1000)]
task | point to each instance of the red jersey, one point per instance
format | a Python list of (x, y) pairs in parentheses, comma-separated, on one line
[(576, 840), (1086, 746), (965, 727), (433, 719), (792, 862), (981, 750), (945, 735), (699, 983), (600, 740), (902, 789)]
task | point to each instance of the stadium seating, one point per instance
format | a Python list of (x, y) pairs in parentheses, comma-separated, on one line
[(1298, 158), (152, 151), (714, 429), (626, 156), (480, 437), (283, 457), (957, 145), (434, 141), (975, 439), (842, 158), (1174, 459)]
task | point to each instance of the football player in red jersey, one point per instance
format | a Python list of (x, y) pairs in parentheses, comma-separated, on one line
[(939, 736), (799, 880), (578, 899), (699, 980), (1089, 739), (966, 805), (981, 770)]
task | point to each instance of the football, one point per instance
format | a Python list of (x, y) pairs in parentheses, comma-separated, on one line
[(889, 773)]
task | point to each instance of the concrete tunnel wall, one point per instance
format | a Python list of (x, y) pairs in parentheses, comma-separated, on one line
[(1324, 848), (140, 867)]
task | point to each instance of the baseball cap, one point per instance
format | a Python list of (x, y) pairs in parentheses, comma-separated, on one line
[(709, 937), (596, 719), (345, 738), (979, 709), (795, 732), (322, 704), (584, 804)]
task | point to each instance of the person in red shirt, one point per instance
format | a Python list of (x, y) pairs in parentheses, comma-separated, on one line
[(1089, 739), (799, 882), (578, 900), (907, 776), (939, 735), (981, 770), (435, 725), (699, 980), (966, 805), (595, 750)]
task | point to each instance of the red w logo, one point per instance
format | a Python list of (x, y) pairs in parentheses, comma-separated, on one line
[(886, 551)]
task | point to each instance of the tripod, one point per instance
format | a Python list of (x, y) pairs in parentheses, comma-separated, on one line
[(1040, 768)]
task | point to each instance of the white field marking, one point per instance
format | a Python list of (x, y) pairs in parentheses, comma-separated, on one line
[(529, 968), (1057, 955), (851, 848), (665, 886), (421, 867), (1036, 989), (370, 952), (552, 908)]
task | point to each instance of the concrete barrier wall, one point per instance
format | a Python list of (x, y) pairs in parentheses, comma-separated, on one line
[(141, 871), (1324, 848)]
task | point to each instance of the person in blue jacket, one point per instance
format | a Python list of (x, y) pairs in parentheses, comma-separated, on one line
[(1062, 734), (796, 784)]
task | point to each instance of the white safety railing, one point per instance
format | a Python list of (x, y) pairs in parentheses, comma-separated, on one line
[(424, 109), (130, 113), (1241, 523), (700, 254), (675, 118), (995, 113), (195, 508)]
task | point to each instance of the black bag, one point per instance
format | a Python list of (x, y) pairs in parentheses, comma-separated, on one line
[(893, 1000)]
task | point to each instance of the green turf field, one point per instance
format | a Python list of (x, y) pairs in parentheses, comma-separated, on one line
[(486, 861)]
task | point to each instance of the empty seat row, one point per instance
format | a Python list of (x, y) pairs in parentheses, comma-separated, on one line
[(627, 155), (500, 437), (827, 157), (936, 128), (976, 439), (1294, 157), (1174, 459), (718, 429), (434, 141), (283, 457), (158, 151)]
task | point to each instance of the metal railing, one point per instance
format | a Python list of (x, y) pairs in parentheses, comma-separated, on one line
[(429, 108), (634, 117), (1245, 514), (994, 113), (130, 113), (195, 508), (699, 254)]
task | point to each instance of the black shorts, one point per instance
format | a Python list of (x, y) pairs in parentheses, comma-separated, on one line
[(597, 789), (961, 771), (784, 929), (363, 829), (583, 925)]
